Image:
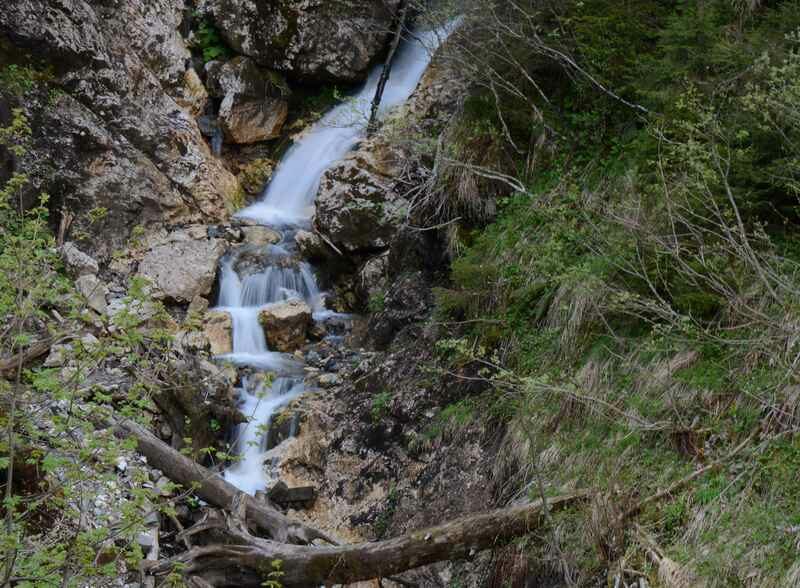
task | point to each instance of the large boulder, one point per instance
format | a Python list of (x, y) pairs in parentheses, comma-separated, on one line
[(218, 329), (253, 106), (286, 324), (119, 135), (182, 266), (313, 40), (357, 207)]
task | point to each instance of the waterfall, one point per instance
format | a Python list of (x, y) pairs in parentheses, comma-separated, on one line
[(288, 202), (289, 196), (259, 405)]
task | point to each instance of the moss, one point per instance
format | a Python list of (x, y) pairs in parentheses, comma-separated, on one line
[(253, 178)]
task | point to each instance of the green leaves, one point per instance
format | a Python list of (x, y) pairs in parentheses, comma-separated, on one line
[(209, 41)]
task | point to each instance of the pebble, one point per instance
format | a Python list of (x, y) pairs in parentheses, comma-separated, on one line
[(329, 380)]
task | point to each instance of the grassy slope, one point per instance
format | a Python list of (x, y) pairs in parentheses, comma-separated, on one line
[(633, 363)]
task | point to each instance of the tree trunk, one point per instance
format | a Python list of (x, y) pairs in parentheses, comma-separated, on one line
[(387, 67), (246, 560), (249, 561), (212, 488)]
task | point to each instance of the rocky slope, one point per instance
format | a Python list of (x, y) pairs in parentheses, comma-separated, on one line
[(120, 139), (117, 134)]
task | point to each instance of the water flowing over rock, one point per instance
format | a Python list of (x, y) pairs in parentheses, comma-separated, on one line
[(117, 137), (313, 40), (184, 266), (253, 105), (286, 324), (361, 204)]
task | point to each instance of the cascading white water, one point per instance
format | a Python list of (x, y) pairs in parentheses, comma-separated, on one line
[(258, 405), (289, 196), (288, 202)]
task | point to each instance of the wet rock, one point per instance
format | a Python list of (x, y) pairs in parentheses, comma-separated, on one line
[(253, 105), (259, 235), (218, 330), (183, 267), (311, 40), (285, 324), (78, 263), (310, 245), (356, 207), (94, 291), (254, 176)]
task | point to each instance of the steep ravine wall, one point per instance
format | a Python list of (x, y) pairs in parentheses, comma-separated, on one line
[(119, 141)]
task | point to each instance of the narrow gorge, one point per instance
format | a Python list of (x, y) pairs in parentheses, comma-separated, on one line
[(399, 293)]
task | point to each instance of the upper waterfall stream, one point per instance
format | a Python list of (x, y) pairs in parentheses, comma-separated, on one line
[(286, 204)]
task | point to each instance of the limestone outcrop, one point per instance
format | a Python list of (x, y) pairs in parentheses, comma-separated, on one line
[(119, 135), (183, 265), (254, 105), (311, 40)]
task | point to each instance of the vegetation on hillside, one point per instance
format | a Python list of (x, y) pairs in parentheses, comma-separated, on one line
[(635, 298)]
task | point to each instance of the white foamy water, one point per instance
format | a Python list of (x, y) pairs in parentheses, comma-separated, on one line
[(289, 197), (258, 405), (288, 201)]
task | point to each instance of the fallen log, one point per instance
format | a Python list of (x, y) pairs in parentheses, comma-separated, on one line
[(214, 489), (248, 560), (22, 358)]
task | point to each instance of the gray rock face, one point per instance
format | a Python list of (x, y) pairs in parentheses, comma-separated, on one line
[(253, 106), (183, 267), (314, 40), (285, 324), (77, 262), (94, 291), (357, 208), (116, 139)]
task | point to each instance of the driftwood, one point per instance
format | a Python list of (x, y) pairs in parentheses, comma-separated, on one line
[(247, 560), (244, 559), (212, 488), (22, 358)]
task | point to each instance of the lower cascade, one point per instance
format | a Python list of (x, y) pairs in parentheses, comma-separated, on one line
[(274, 379)]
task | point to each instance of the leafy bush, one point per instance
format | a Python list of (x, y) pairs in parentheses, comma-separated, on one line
[(209, 41)]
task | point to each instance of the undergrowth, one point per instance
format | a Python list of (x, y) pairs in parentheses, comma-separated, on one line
[(640, 295)]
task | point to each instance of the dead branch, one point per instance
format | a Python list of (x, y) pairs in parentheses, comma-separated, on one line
[(248, 559), (212, 488), (22, 358)]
